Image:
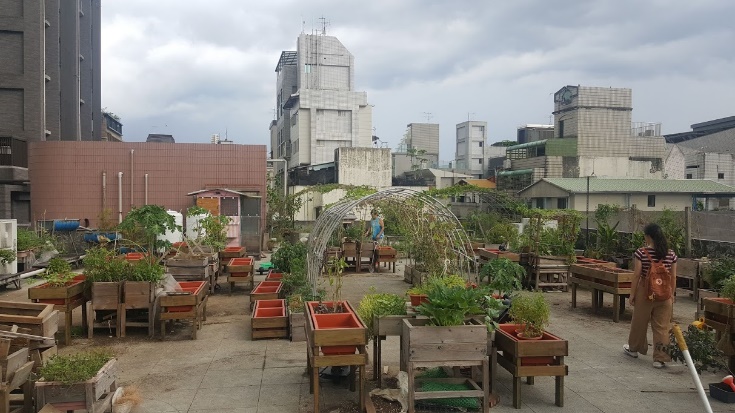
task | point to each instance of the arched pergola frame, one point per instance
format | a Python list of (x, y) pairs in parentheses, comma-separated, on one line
[(331, 219)]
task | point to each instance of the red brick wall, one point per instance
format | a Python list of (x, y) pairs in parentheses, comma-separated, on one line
[(66, 177)]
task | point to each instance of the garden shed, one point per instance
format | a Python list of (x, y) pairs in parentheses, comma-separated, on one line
[(242, 207)]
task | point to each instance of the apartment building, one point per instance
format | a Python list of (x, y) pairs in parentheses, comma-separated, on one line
[(471, 153)]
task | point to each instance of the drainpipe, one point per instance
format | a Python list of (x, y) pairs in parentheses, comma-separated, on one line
[(119, 197), (146, 189), (104, 190), (132, 204)]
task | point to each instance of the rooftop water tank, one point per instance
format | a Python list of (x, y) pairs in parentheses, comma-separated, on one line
[(176, 235), (193, 230)]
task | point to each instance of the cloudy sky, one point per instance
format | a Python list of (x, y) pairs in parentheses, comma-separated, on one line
[(193, 68)]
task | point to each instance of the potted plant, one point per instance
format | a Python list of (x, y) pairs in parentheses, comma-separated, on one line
[(375, 305), (417, 295), (531, 311), (81, 379), (7, 256), (504, 276)]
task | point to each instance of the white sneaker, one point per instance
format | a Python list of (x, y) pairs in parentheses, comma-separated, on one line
[(628, 352), (659, 364)]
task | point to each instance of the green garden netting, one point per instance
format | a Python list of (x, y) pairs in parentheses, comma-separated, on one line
[(461, 402)]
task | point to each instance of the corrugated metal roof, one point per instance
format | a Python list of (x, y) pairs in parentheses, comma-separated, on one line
[(720, 142), (688, 186)]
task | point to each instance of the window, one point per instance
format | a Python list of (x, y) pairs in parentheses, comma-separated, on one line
[(689, 176), (561, 203), (228, 206), (720, 175), (651, 201), (342, 112), (561, 128), (479, 161), (307, 68), (481, 144)]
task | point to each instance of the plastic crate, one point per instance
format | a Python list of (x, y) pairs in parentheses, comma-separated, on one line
[(721, 392)]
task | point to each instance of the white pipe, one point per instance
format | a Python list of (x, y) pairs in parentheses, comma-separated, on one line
[(119, 197), (104, 190), (32, 273), (132, 204), (146, 189), (690, 364)]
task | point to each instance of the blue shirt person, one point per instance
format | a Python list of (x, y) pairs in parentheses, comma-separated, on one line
[(376, 227)]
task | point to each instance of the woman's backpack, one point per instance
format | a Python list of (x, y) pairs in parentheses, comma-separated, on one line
[(659, 280)]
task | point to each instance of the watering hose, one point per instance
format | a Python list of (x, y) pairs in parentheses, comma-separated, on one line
[(690, 364)]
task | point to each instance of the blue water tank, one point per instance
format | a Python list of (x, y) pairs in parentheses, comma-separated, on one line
[(66, 224), (97, 237)]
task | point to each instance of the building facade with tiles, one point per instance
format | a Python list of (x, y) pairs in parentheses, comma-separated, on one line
[(78, 180), (593, 134), (317, 107)]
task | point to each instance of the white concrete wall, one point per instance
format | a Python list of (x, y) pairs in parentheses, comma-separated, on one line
[(675, 164), (364, 166), (676, 202)]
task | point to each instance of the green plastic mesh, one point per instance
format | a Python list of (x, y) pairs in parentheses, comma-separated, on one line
[(438, 373)]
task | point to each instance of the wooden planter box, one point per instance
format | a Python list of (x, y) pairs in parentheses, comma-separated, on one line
[(345, 347), (94, 395), (46, 294), (269, 319), (65, 299), (191, 269), (190, 304), (274, 276), (232, 252), (106, 295), (266, 290), (240, 265), (585, 260), (489, 254), (296, 322), (531, 358), (599, 279), (336, 333), (719, 314), (384, 326), (413, 276), (40, 319), (452, 346), (138, 294)]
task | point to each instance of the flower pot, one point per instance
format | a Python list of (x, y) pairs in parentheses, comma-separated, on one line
[(341, 328), (418, 299), (523, 337)]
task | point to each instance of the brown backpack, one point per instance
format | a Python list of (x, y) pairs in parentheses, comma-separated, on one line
[(659, 280)]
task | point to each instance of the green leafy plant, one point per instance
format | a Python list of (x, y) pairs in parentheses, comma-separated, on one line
[(672, 226), (531, 311), (702, 348), (75, 368), (104, 265), (7, 256), (58, 273), (493, 309), (211, 229), (728, 288), (335, 268), (290, 258), (28, 240), (145, 270), (448, 306), (379, 304), (718, 271), (354, 232), (146, 224), (504, 276)]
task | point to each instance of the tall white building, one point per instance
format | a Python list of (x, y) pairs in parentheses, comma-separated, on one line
[(317, 108), (471, 147)]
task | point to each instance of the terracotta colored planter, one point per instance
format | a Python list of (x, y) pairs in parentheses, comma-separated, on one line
[(261, 312), (343, 324), (268, 287), (193, 287), (418, 299), (240, 266), (271, 303), (274, 276), (134, 256)]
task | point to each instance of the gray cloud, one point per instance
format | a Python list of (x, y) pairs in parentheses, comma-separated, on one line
[(203, 67)]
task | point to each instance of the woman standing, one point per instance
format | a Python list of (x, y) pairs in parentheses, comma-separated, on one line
[(645, 310)]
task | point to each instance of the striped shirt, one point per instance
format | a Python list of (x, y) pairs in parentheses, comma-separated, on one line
[(668, 261)]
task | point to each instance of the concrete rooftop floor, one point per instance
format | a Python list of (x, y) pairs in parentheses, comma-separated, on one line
[(223, 370)]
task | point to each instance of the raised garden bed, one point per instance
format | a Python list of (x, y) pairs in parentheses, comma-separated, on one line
[(138, 295), (274, 276), (40, 319), (269, 319), (296, 325), (451, 346), (240, 270), (93, 395), (191, 269), (266, 290), (189, 304), (107, 299), (599, 279), (64, 298), (326, 333), (489, 254), (532, 358)]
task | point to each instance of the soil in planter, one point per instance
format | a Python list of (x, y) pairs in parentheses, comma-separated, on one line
[(324, 309)]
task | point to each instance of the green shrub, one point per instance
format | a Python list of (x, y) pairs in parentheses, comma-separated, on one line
[(379, 304), (75, 368)]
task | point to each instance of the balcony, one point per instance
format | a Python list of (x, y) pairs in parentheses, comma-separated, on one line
[(645, 129)]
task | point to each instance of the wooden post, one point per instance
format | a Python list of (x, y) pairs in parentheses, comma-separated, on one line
[(688, 232)]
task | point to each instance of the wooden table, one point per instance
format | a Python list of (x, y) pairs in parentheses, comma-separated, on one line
[(602, 279), (542, 270)]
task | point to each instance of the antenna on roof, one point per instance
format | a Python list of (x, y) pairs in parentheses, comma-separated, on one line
[(303, 24), (325, 23), (428, 115)]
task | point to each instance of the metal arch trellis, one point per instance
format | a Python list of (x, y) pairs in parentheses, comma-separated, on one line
[(333, 217)]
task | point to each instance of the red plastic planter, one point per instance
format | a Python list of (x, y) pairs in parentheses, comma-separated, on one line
[(269, 312), (274, 276), (418, 299), (271, 304)]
